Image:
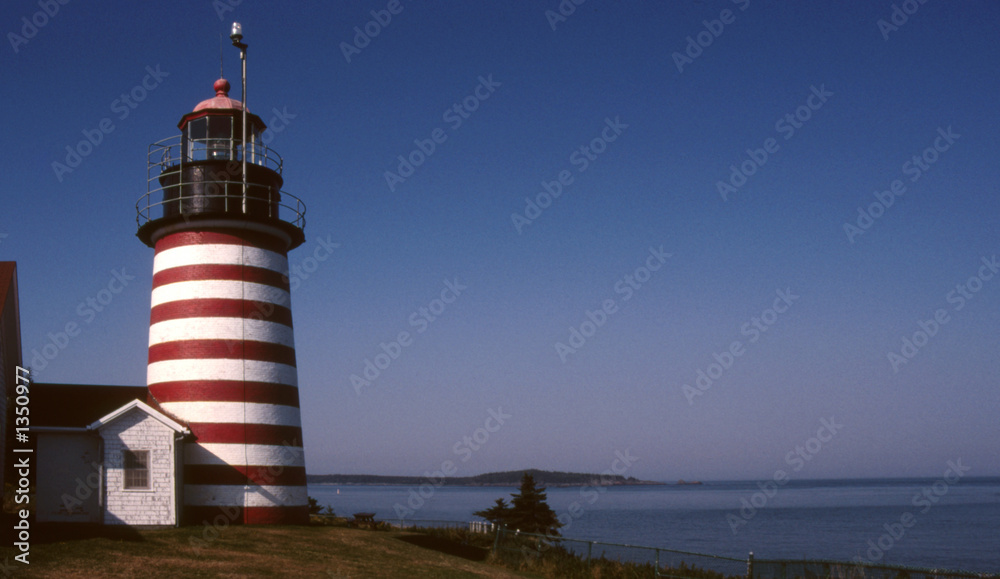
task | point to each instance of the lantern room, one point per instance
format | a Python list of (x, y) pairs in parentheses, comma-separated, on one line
[(198, 176), (213, 131)]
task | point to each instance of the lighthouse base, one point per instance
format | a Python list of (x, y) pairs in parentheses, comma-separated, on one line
[(195, 515)]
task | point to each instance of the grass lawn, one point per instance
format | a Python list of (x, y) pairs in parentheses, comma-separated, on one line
[(245, 551)]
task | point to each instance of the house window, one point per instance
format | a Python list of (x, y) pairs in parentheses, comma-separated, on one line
[(136, 469)]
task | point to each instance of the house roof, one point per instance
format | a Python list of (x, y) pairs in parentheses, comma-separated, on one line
[(79, 405), (10, 322), (7, 269), (135, 404)]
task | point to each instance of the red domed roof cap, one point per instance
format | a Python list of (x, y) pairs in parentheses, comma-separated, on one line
[(221, 99)]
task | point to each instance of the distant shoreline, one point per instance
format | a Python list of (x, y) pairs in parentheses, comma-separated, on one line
[(595, 479), (497, 479), (421, 480)]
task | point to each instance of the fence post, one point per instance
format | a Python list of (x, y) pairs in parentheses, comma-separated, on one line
[(496, 541), (750, 565), (656, 568), (590, 545)]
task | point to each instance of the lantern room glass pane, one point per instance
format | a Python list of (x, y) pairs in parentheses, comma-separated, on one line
[(198, 129), (220, 138), (195, 135), (255, 144)]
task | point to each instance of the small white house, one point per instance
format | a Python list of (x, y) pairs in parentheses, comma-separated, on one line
[(122, 468)]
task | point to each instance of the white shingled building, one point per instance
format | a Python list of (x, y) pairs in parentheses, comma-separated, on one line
[(122, 468)]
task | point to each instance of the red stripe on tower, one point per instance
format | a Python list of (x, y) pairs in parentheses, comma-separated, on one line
[(221, 308), (229, 391), (232, 349), (221, 346), (221, 272)]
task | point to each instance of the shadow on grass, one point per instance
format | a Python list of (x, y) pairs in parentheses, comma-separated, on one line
[(58, 533), (43, 533), (447, 547)]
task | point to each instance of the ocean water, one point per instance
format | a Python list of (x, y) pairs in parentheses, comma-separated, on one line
[(916, 522)]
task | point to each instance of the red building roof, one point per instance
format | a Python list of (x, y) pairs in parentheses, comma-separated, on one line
[(6, 278), (77, 405)]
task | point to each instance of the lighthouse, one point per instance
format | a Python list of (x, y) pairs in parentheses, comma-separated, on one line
[(221, 347)]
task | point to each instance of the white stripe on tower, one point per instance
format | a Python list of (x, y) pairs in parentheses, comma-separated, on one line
[(222, 359), (192, 368), (217, 254), (224, 412), (225, 289), (220, 329)]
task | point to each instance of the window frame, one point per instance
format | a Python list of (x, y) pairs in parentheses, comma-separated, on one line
[(133, 470)]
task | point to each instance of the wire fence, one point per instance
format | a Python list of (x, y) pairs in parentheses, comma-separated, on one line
[(472, 526), (580, 557), (530, 550), (792, 569)]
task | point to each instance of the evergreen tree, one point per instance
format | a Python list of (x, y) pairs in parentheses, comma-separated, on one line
[(529, 512), (498, 514), (314, 507)]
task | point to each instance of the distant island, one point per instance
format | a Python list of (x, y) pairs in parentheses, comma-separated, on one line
[(511, 478)]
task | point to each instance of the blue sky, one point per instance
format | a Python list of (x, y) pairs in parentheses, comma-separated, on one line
[(805, 111)]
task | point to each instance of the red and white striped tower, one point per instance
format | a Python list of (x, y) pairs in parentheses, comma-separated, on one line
[(221, 349)]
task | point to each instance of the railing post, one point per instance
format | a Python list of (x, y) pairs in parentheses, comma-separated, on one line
[(750, 565)]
